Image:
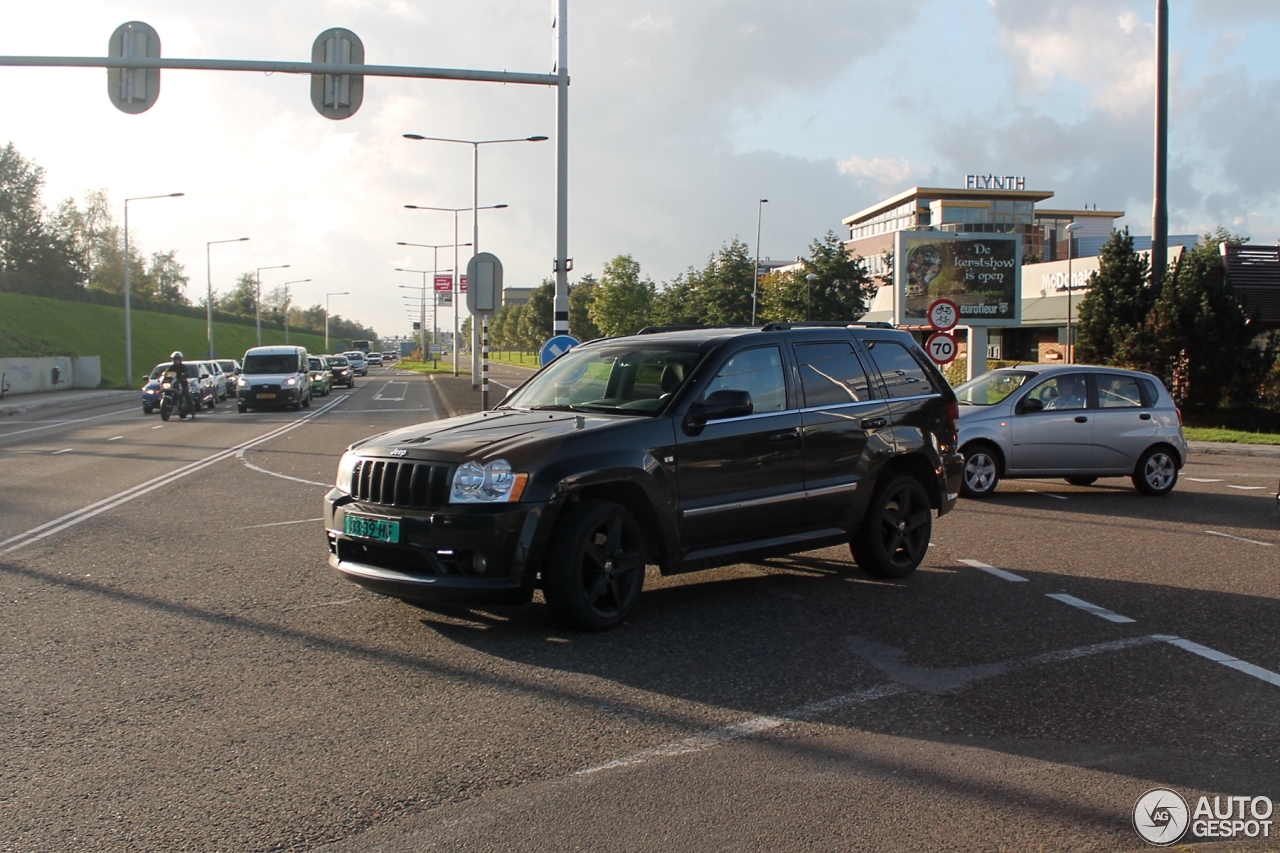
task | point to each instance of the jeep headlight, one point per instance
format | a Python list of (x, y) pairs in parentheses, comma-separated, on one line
[(493, 482), (346, 467)]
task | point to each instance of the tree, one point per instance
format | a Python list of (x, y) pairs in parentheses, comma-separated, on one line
[(842, 289), (35, 253), (243, 298), (1117, 304), (624, 302), (582, 299), (719, 294)]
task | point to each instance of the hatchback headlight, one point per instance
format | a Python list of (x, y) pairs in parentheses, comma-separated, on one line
[(493, 482), (346, 467)]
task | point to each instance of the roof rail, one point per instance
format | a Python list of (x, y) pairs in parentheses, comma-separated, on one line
[(654, 330), (804, 324)]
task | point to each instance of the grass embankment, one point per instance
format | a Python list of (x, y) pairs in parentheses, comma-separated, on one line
[(1229, 436), (35, 326), (445, 364)]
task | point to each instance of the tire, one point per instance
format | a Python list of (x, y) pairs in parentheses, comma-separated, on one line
[(146, 410), (596, 569), (1157, 472), (981, 472), (894, 535), (212, 404), (164, 416), (306, 404), (1081, 481), (242, 408)]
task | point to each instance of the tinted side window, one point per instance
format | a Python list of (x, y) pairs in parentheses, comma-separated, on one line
[(831, 374), (903, 375), (758, 372), (1118, 392)]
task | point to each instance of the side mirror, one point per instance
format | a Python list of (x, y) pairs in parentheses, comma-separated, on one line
[(204, 376), (1031, 404), (720, 405)]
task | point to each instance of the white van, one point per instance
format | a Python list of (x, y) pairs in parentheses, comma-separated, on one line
[(274, 376)]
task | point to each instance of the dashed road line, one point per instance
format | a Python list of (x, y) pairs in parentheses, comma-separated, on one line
[(1201, 480), (992, 570), (1240, 539), (115, 438), (1247, 488), (158, 426), (1219, 657), (63, 450), (282, 523), (1101, 612)]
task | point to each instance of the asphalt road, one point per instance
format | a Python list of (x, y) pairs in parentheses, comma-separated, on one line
[(182, 671)]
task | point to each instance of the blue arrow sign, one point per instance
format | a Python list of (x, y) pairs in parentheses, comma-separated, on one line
[(556, 347)]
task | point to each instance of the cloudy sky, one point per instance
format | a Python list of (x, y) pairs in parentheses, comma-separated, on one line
[(682, 114)]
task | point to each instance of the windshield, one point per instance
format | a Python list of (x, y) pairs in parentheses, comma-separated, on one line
[(626, 379), (266, 364), (991, 388), (337, 361), (227, 366), (315, 364), (192, 370)]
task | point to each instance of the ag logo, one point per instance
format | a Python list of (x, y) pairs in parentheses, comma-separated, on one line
[(1160, 817)]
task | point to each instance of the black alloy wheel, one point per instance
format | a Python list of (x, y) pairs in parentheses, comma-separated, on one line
[(894, 535), (596, 570)]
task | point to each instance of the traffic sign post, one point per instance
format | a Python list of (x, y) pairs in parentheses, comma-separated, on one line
[(337, 96), (133, 90), (484, 271), (944, 315), (555, 347), (941, 348)]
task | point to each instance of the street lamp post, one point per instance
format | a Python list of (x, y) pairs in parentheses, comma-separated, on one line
[(286, 306), (257, 299), (475, 220), (755, 273), (808, 296), (326, 314), (1071, 244), (455, 211), (422, 319), (128, 319), (435, 271), (208, 281)]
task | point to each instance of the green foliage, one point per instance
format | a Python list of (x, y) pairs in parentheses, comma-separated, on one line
[(624, 302), (582, 300), (35, 250), (841, 289), (1117, 304), (66, 327), (719, 294)]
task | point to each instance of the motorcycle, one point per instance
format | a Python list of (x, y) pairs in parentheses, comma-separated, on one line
[(171, 397)]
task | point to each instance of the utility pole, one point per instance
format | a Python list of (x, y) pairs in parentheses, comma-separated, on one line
[(1160, 206)]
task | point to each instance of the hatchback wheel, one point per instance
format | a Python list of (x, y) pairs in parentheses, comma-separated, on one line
[(981, 471), (1081, 481), (596, 570), (894, 535), (1157, 472)]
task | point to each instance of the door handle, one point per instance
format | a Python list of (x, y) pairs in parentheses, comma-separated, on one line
[(1080, 419), (789, 435), (873, 423), (1145, 416)]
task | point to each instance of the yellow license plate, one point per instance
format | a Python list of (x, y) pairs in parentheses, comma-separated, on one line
[(266, 396)]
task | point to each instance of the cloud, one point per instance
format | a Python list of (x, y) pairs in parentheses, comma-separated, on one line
[(878, 171)]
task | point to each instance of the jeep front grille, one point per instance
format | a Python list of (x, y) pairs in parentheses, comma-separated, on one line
[(413, 485)]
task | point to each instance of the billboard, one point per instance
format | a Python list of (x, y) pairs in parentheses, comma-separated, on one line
[(444, 284), (981, 273)]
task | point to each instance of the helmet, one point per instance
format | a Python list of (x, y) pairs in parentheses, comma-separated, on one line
[(175, 355)]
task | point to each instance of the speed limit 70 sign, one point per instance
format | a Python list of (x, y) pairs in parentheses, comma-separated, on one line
[(941, 347)]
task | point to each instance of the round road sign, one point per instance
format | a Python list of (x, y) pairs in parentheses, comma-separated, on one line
[(943, 315), (941, 348)]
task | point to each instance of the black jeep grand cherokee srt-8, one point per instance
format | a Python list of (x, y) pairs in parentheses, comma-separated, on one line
[(686, 449)]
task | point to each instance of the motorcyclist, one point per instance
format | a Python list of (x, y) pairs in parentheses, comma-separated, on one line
[(179, 380)]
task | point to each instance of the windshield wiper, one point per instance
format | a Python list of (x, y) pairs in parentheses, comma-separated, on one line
[(556, 408)]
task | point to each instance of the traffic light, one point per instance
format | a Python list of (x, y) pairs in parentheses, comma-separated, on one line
[(133, 90)]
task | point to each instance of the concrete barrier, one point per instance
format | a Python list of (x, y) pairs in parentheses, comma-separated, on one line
[(33, 375)]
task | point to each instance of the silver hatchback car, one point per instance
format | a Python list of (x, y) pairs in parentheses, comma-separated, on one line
[(1072, 421)]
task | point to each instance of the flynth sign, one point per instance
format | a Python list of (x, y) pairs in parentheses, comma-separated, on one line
[(995, 182)]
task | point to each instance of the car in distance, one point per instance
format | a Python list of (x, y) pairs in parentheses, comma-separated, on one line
[(389, 355), (374, 359), (274, 376), (199, 381), (687, 449), (1073, 421), (340, 370), (359, 365), (321, 378), (231, 367), (219, 379)]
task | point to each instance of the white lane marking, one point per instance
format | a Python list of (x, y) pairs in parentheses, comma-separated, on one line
[(992, 570), (73, 518), (1201, 480), (763, 723), (1246, 488), (158, 426), (248, 464), (115, 438), (1240, 539), (1046, 494), (63, 450), (282, 523), (1226, 660), (53, 424), (1089, 608), (403, 391), (387, 410)]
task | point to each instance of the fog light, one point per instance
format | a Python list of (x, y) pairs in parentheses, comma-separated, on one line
[(479, 563)]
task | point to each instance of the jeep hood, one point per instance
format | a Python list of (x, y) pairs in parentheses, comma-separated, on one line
[(486, 434)]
